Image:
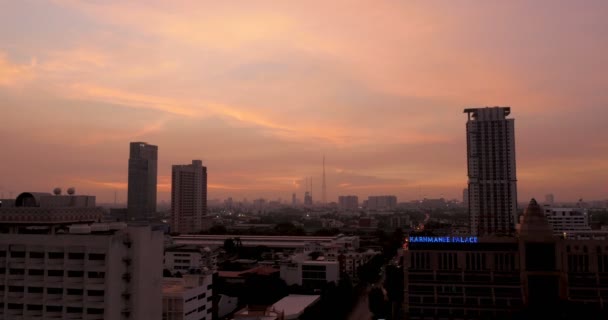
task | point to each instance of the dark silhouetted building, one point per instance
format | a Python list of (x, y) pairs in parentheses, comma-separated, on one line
[(141, 202), (188, 197), (491, 170), (506, 277)]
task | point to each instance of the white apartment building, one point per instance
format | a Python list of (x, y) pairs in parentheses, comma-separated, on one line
[(492, 186), (566, 221), (183, 258), (188, 298), (300, 269), (52, 268)]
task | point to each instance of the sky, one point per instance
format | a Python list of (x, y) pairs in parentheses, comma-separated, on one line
[(262, 90)]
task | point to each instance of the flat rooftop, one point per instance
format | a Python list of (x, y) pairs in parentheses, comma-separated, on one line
[(293, 305)]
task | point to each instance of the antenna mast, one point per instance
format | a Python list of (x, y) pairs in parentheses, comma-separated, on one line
[(323, 186)]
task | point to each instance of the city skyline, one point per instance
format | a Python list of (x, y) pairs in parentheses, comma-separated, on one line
[(285, 84)]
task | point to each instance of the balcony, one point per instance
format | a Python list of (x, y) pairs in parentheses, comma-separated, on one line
[(126, 261), (53, 279)]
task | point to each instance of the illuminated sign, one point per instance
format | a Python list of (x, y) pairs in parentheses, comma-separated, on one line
[(443, 239)]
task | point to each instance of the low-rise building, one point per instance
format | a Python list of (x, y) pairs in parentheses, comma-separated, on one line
[(565, 221), (188, 298), (309, 271), (183, 258)]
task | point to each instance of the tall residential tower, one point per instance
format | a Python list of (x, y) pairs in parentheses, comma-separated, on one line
[(491, 170), (188, 197), (141, 201)]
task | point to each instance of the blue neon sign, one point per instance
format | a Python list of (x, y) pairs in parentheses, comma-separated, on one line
[(443, 239)]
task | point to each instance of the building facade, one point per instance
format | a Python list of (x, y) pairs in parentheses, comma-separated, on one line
[(503, 277), (185, 258), (491, 170), (141, 193), (381, 202), (58, 263), (348, 203), (188, 197), (188, 298), (566, 221)]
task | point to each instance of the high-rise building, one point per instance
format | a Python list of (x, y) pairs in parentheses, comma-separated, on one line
[(141, 202), (188, 197), (350, 203), (491, 170), (62, 264), (307, 199), (294, 200)]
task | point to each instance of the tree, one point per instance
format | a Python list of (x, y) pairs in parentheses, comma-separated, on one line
[(166, 273), (229, 245)]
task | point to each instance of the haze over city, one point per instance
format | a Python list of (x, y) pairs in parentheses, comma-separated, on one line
[(263, 90)]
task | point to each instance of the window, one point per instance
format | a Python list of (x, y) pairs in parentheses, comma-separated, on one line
[(96, 274), (15, 306), (55, 255), (75, 274), (94, 311), (54, 308), (35, 290), (17, 254), (75, 292), (36, 255), (34, 307), (54, 290), (97, 256), (76, 255), (95, 293), (202, 295), (16, 271), (15, 289), (74, 310), (35, 272)]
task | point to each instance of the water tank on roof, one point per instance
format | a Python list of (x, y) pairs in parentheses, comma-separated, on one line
[(80, 229), (57, 191), (71, 191)]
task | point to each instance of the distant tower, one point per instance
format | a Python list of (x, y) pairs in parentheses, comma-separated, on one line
[(141, 191), (323, 186), (188, 197), (491, 170)]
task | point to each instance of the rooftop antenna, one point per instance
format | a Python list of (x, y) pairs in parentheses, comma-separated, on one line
[(323, 186)]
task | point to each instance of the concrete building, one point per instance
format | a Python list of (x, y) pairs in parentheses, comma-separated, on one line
[(348, 203), (499, 277), (294, 305), (185, 258), (379, 203), (60, 264), (141, 202), (188, 197), (567, 221), (304, 270), (188, 298), (273, 242), (491, 170)]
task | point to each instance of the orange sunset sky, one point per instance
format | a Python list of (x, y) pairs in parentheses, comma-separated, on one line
[(261, 90)]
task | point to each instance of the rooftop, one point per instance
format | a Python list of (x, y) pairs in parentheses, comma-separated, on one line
[(293, 305)]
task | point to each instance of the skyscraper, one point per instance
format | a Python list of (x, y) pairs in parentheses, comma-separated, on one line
[(465, 197), (141, 202), (188, 197), (491, 170)]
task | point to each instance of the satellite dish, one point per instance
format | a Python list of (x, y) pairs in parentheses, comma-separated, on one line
[(57, 191), (71, 191)]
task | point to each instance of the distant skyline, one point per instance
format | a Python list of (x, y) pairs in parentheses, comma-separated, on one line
[(260, 91)]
